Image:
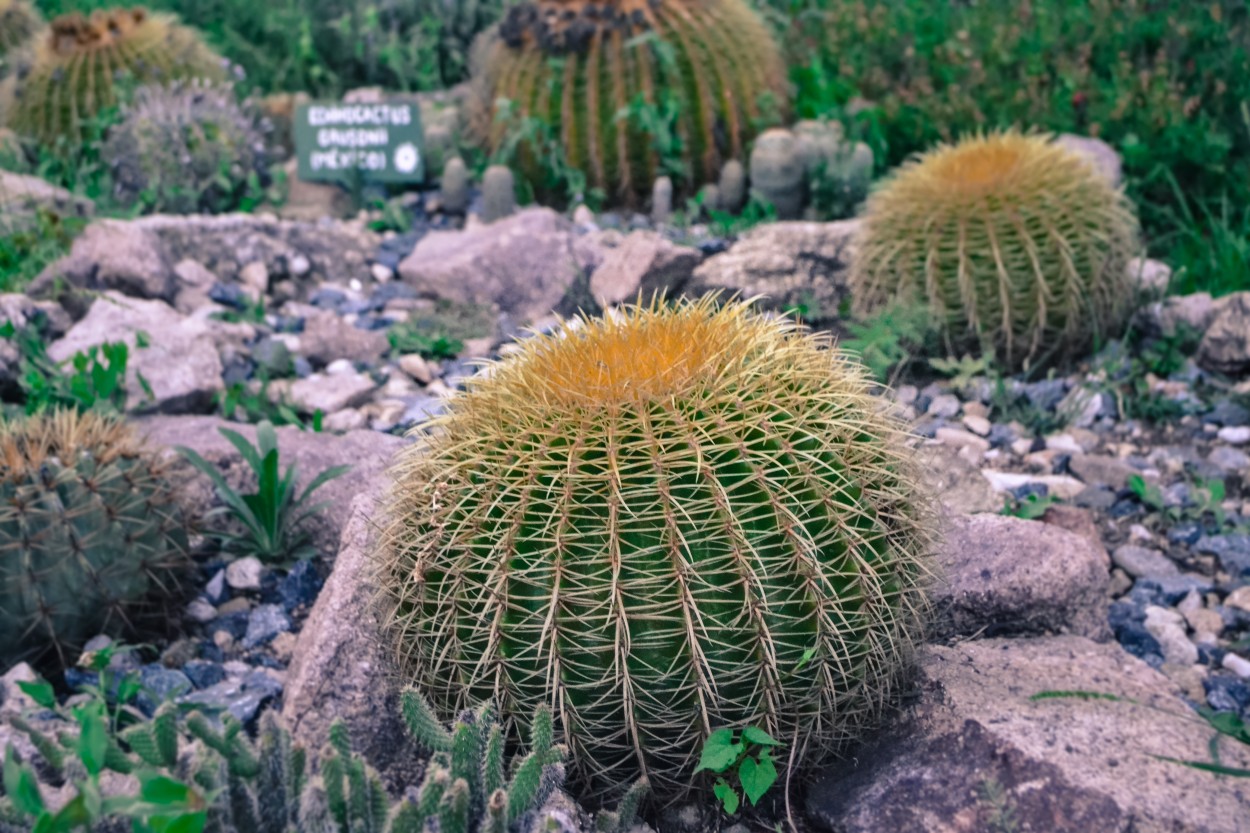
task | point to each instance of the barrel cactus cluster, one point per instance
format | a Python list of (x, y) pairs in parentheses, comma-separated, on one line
[(92, 537), (602, 80), (659, 524), (183, 148), (80, 62), (1017, 246)]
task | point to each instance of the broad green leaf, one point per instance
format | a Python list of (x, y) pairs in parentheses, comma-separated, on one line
[(40, 691), (728, 796), (92, 737), (163, 790), (757, 776), (20, 785), (719, 751), (754, 734)]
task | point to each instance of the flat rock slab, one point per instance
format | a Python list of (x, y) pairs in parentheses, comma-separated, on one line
[(369, 453), (975, 754), (1001, 575)]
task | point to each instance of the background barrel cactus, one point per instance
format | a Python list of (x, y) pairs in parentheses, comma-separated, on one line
[(77, 67), (1016, 244), (189, 147), (19, 21), (92, 539), (661, 524), (627, 67)]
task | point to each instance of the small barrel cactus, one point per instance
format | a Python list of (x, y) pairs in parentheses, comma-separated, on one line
[(92, 538), (626, 68), (76, 68), (661, 523), (1016, 244), (185, 148)]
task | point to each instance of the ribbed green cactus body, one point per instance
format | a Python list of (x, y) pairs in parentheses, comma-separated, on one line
[(76, 69), (580, 70), (1017, 245), (91, 537), (683, 520)]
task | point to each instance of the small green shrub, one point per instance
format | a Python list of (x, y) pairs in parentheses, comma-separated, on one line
[(96, 380), (27, 247), (747, 759), (272, 517)]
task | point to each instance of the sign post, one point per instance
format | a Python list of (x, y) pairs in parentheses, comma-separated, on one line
[(352, 143)]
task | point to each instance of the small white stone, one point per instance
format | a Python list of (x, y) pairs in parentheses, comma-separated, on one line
[(963, 439), (1239, 598), (348, 419), (1162, 625), (16, 701), (1205, 621), (1021, 446), (381, 272), (1237, 664), (1235, 434), (355, 285), (298, 266), (201, 611), (1064, 443), (255, 279), (906, 394), (245, 573), (417, 367), (340, 367), (978, 425), (944, 406)]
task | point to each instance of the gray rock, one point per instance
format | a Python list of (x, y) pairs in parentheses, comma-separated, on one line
[(264, 623), (1098, 153), (661, 201), (498, 194), (12, 699), (1151, 277), (112, 254), (245, 573), (1002, 575), (1233, 551), (1168, 317), (1101, 470), (1225, 347), (273, 357), (327, 337), (329, 394), (1229, 459), (21, 196), (367, 452), (340, 669), (1140, 561), (523, 264), (975, 751), (957, 483), (791, 265), (242, 698), (193, 283), (944, 406), (180, 363), (645, 262)]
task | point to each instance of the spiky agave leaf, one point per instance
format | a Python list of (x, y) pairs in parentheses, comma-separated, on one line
[(92, 536), (1014, 242), (659, 524), (76, 68), (715, 57)]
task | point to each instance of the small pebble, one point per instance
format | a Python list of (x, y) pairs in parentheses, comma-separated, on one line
[(245, 573), (1235, 434), (1237, 664)]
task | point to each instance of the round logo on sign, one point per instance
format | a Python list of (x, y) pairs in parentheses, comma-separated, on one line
[(406, 158)]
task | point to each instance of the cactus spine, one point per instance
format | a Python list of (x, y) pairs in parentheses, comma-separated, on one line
[(74, 72), (555, 536), (712, 64), (92, 538), (1015, 244)]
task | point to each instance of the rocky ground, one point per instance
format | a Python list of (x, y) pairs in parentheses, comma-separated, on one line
[(1129, 578)]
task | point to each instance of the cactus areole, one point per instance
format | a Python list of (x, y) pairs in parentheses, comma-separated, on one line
[(659, 524), (708, 70)]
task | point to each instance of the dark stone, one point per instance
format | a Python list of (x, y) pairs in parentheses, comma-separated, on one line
[(264, 623), (391, 251), (1185, 533), (715, 246), (241, 698), (273, 357), (160, 684), (228, 295), (1123, 508), (1059, 465), (328, 298), (76, 678), (1227, 412), (395, 290), (1046, 394), (234, 624), (373, 322), (1227, 694), (303, 369), (1095, 497), (1211, 655), (1023, 492), (203, 674), (287, 323), (1167, 591), (299, 587), (1001, 435), (237, 371), (1139, 642), (1233, 551), (1122, 614)]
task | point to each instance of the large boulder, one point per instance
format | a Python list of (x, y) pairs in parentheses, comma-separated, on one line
[(111, 254), (976, 754), (369, 454), (340, 669), (523, 264), (327, 337), (794, 266), (1001, 575), (1225, 347), (179, 363), (645, 262)]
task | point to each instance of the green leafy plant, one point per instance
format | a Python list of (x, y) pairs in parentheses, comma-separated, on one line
[(272, 517), (1017, 247), (667, 91), (93, 538), (887, 340), (243, 404), (746, 760), (1204, 501), (26, 247), (97, 381), (409, 337), (614, 481), (1031, 507)]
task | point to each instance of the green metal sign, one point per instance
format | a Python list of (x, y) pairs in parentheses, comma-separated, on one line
[(374, 142)]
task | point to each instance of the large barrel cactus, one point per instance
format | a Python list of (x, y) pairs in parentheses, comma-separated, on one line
[(624, 68), (92, 539), (661, 524), (1017, 245), (76, 69)]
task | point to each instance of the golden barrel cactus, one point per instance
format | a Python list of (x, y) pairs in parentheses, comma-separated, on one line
[(1016, 244), (76, 68), (660, 524), (618, 68)]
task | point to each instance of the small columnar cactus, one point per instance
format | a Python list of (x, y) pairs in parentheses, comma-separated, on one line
[(92, 538), (661, 200), (628, 72), (1015, 243), (661, 523), (454, 187), (778, 173), (77, 66), (185, 148), (498, 193), (733, 186)]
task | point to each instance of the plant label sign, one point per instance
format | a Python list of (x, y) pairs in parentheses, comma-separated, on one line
[(374, 142)]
